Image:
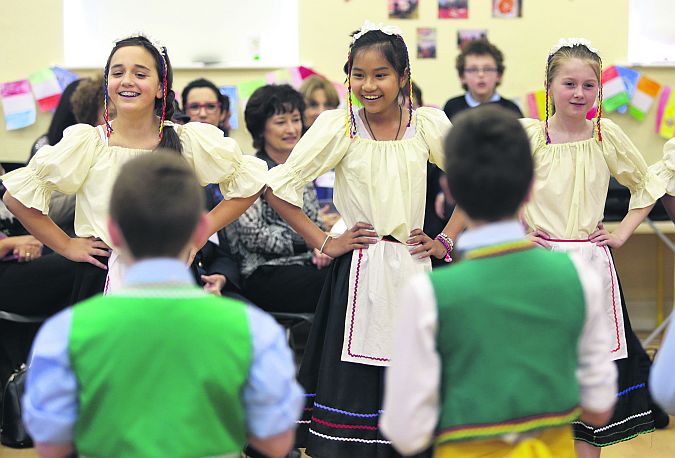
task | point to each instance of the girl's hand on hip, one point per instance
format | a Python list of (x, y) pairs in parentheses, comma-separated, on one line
[(356, 238), (425, 246), (83, 249), (602, 237), (540, 237)]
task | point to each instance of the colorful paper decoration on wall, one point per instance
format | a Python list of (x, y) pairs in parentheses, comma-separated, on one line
[(615, 93), (665, 116), (18, 104), (645, 92), (46, 89), (65, 77), (536, 104), (231, 93), (630, 79)]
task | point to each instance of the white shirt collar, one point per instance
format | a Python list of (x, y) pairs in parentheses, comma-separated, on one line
[(473, 103), (491, 234)]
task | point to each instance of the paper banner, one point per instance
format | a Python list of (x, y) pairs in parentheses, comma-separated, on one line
[(18, 104), (46, 89), (64, 77), (285, 76), (643, 98), (231, 93), (536, 104), (666, 128), (306, 72), (630, 80), (246, 88), (662, 105), (614, 90)]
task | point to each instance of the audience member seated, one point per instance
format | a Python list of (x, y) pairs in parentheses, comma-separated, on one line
[(30, 284), (203, 102), (214, 267), (320, 95), (280, 272)]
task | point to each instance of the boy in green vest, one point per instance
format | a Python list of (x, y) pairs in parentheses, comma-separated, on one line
[(498, 354), (160, 368)]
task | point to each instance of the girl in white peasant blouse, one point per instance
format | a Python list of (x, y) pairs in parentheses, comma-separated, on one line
[(380, 186), (86, 162)]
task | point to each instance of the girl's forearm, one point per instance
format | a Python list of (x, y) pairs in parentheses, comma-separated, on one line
[(40, 226), (631, 221), (298, 220), (456, 224), (228, 211)]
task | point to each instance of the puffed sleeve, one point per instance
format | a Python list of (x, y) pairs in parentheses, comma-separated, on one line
[(318, 151), (434, 125), (665, 168), (218, 159), (62, 167), (627, 165), (534, 133)]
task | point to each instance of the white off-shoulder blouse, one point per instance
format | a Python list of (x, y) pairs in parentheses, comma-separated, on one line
[(83, 164), (378, 182), (571, 180), (665, 168)]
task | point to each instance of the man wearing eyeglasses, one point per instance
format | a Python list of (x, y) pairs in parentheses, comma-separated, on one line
[(203, 102), (480, 67)]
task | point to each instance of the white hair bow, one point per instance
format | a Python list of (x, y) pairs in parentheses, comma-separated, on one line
[(572, 42), (369, 26)]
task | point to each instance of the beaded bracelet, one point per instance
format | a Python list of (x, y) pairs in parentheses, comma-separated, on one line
[(447, 242)]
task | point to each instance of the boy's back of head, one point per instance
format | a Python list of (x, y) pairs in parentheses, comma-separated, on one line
[(489, 163), (157, 203)]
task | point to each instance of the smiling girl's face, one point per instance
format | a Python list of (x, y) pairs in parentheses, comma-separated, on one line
[(133, 82)]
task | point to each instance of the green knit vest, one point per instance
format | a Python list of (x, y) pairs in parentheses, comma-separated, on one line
[(508, 328), (160, 373)]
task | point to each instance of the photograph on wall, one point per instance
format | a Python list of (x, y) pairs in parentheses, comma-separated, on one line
[(453, 9), (466, 35), (507, 9), (426, 43), (403, 9)]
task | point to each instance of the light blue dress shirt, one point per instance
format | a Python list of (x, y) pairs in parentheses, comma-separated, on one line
[(272, 399)]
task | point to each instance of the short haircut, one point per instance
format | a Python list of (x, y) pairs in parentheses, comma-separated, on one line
[(267, 101), (315, 82), (156, 202), (87, 100), (480, 47), (201, 82), (488, 162)]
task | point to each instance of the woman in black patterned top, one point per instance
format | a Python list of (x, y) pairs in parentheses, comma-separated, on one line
[(280, 272)]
